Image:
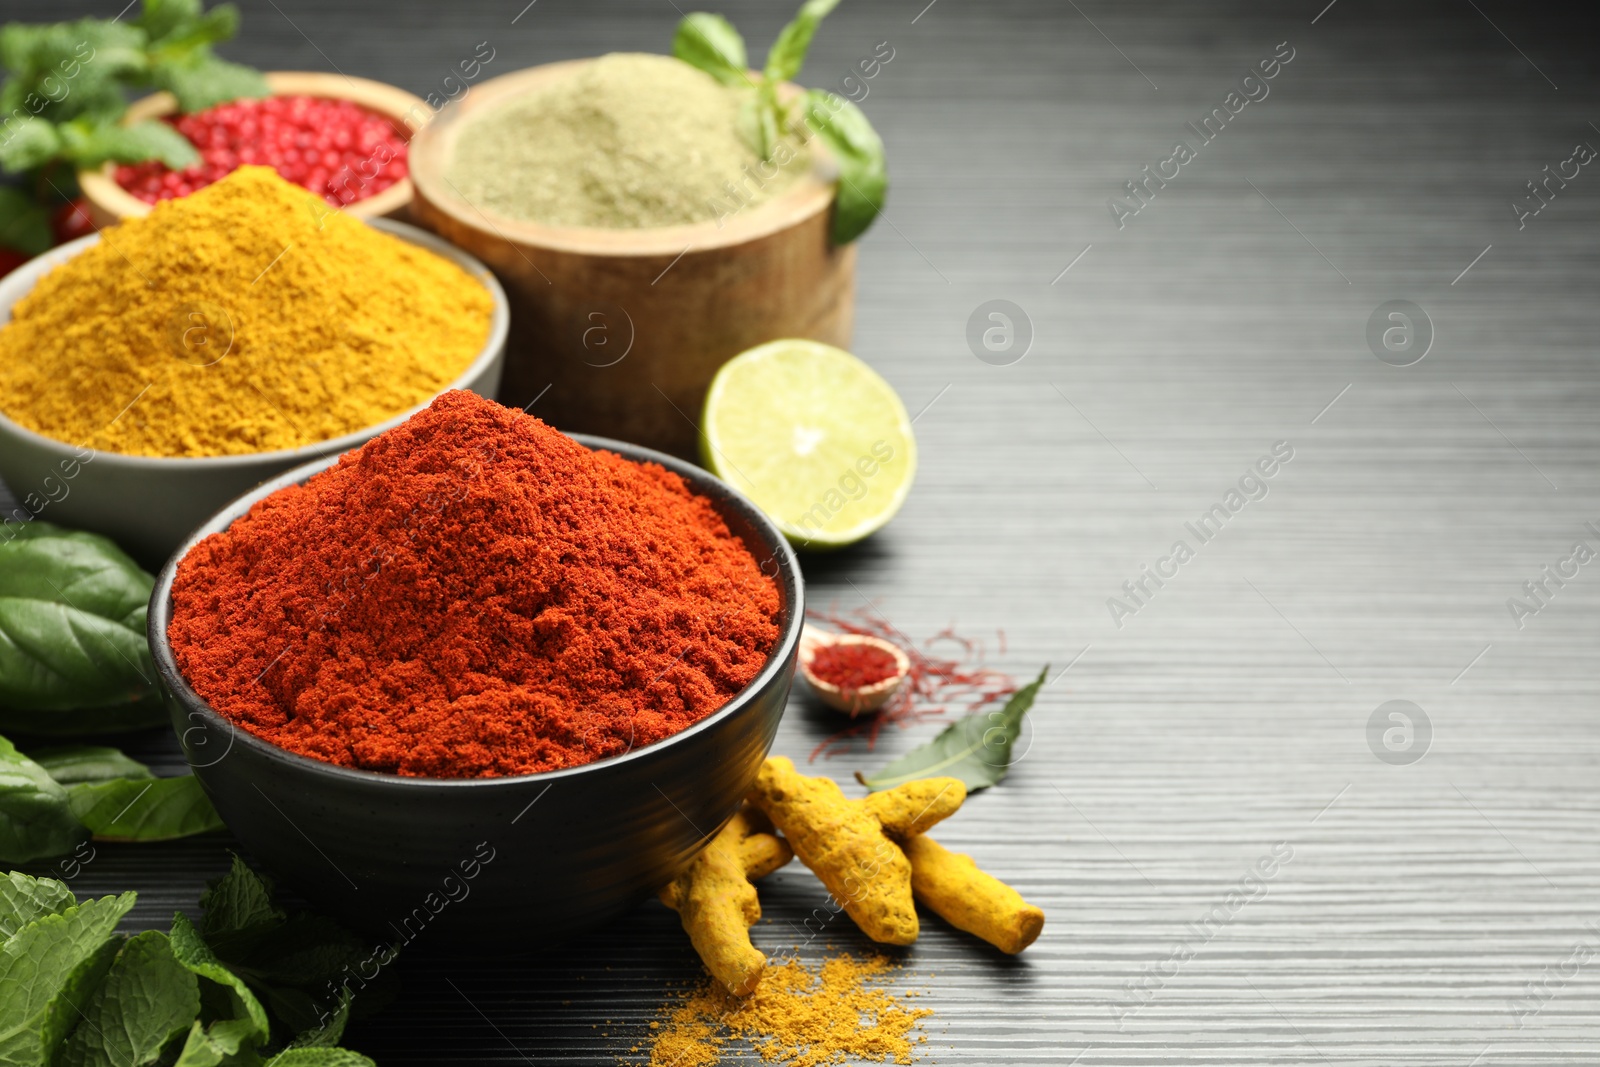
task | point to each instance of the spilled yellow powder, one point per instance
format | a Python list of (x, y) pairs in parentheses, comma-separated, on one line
[(798, 1017), (247, 317)]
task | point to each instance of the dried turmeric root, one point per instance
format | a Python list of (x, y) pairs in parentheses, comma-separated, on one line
[(967, 898), (717, 903), (852, 845)]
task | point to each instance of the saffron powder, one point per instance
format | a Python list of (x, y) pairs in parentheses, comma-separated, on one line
[(473, 594), (853, 666)]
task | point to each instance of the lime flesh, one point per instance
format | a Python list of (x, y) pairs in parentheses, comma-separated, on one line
[(814, 437)]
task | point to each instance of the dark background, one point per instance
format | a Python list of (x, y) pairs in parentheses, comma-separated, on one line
[(1230, 714)]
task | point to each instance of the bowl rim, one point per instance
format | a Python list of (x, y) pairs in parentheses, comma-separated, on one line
[(100, 186), (27, 276), (791, 622), (810, 194)]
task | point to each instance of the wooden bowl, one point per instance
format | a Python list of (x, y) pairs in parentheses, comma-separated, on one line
[(852, 702), (110, 203), (619, 332)]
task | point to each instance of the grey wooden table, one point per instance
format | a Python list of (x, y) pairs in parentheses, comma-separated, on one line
[(1433, 888)]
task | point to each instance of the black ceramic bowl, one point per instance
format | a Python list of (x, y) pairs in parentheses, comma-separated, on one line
[(536, 857)]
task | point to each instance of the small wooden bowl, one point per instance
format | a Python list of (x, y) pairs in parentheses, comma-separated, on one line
[(618, 332), (110, 203), (852, 702)]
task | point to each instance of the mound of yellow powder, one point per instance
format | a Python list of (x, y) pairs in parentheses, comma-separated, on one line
[(798, 1017), (244, 318)]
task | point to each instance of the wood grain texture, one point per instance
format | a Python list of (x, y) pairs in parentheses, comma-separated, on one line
[(1229, 715)]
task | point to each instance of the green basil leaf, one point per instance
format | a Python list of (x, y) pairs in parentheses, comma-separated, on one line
[(863, 170), (24, 223), (748, 122), (36, 819), (710, 43), (146, 1000), (24, 899), (211, 1046), (89, 145), (238, 902), (192, 951), (202, 80), (72, 622), (788, 52), (975, 749), (153, 809), (77, 764), (37, 964)]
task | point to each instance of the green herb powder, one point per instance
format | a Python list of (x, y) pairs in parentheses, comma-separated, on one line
[(630, 141)]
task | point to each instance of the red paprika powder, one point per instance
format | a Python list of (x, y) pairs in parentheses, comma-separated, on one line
[(472, 594)]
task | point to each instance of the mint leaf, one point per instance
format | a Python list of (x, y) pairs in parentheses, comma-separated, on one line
[(320, 1057), (210, 1046), (239, 901), (153, 809), (788, 52), (710, 43), (24, 223), (291, 967), (863, 169), (76, 764), (67, 70), (160, 19), (24, 899), (202, 80), (91, 146), (65, 1009), (327, 1034), (36, 819), (196, 955), (147, 999), (38, 961), (27, 142), (976, 749)]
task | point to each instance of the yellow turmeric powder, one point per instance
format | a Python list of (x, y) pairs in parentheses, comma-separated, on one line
[(798, 1017), (717, 902), (244, 318)]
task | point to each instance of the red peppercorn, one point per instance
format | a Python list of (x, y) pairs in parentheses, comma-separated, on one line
[(71, 221), (306, 139)]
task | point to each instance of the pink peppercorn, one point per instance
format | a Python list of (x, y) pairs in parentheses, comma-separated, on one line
[(335, 148)]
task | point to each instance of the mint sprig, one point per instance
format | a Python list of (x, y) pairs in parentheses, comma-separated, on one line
[(74, 992), (709, 43), (66, 88)]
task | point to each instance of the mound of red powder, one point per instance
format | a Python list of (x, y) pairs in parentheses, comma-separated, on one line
[(473, 594)]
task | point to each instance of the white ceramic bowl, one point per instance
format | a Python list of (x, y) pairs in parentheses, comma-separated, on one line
[(149, 504)]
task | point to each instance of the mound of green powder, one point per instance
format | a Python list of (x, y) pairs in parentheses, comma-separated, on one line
[(630, 141)]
